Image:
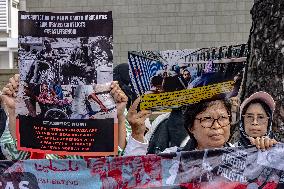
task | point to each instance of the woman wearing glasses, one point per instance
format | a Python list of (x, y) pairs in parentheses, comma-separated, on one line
[(256, 121), (207, 123)]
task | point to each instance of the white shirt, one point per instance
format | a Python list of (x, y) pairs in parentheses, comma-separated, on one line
[(79, 102), (136, 148)]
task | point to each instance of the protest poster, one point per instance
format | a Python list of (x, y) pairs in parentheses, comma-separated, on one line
[(170, 79), (228, 168), (64, 104)]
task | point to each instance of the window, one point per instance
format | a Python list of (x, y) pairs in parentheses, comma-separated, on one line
[(3, 15)]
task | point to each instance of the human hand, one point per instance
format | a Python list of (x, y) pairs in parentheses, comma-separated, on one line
[(9, 93), (262, 143), (119, 97), (137, 121)]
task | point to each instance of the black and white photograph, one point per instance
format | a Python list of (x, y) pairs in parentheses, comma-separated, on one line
[(65, 75), (71, 61)]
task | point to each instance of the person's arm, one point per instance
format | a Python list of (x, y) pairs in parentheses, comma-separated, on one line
[(8, 139), (8, 146), (137, 144), (121, 101), (96, 99), (89, 91), (8, 102), (92, 95)]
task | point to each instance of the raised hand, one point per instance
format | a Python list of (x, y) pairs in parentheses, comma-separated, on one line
[(137, 121)]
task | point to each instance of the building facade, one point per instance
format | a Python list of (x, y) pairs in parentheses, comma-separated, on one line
[(140, 24), (8, 33), (164, 24)]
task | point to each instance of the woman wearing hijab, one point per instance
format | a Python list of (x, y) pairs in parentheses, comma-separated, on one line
[(121, 74), (256, 120)]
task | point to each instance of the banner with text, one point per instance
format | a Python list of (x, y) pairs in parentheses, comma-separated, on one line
[(232, 168)]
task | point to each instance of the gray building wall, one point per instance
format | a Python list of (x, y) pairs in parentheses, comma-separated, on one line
[(164, 24)]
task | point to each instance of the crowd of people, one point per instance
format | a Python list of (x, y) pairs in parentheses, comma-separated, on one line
[(52, 66), (72, 60), (171, 78), (178, 77), (206, 124)]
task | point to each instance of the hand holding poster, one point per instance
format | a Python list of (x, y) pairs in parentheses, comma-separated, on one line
[(64, 104), (169, 79)]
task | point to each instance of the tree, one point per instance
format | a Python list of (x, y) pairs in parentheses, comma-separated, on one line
[(265, 63)]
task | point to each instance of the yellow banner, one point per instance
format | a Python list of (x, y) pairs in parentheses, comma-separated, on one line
[(183, 97)]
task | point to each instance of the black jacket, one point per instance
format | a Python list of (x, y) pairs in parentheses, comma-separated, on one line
[(169, 133)]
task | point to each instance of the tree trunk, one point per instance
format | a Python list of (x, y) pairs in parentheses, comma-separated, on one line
[(265, 64)]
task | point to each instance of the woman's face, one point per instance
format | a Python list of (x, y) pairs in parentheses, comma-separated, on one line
[(211, 127), (255, 121)]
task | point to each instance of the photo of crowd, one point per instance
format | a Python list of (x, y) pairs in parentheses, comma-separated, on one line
[(187, 77), (61, 77), (71, 61), (175, 70)]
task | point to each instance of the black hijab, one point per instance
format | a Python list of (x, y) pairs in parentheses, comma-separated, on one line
[(121, 74)]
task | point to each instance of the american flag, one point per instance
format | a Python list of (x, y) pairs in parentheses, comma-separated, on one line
[(141, 70)]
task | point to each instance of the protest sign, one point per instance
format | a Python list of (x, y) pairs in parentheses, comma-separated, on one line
[(170, 79), (64, 104), (232, 168)]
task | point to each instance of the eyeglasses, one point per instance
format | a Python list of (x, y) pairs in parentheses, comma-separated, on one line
[(207, 122), (261, 119)]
